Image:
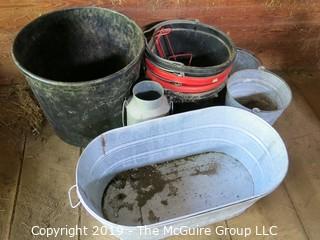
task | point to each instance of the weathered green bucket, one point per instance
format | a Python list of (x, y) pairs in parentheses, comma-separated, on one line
[(80, 64)]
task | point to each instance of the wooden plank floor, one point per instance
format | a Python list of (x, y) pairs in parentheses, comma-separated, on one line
[(35, 174)]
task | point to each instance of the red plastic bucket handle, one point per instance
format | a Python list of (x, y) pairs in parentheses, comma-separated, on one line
[(185, 84)]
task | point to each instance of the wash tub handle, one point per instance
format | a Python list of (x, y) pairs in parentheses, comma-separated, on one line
[(70, 198)]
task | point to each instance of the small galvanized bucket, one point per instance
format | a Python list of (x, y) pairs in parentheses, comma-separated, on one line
[(245, 59), (260, 92)]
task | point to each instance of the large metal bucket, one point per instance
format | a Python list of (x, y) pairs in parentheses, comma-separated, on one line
[(80, 64), (260, 92), (257, 147)]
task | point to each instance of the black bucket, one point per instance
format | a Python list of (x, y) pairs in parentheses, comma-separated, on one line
[(191, 60), (189, 102), (211, 49), (80, 64)]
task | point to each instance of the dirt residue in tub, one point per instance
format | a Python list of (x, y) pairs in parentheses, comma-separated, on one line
[(172, 190), (158, 183), (117, 204), (103, 143), (164, 202), (121, 196), (260, 101), (147, 181), (210, 170), (152, 217)]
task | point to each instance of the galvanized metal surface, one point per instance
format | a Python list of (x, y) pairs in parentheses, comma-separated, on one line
[(260, 92), (232, 131), (245, 59), (176, 188)]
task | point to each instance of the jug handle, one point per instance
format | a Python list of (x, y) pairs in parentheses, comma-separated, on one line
[(124, 106), (70, 198), (171, 107)]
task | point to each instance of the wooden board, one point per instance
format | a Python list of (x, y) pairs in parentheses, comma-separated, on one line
[(274, 210), (301, 129), (48, 172), (96, 230), (309, 86), (10, 165)]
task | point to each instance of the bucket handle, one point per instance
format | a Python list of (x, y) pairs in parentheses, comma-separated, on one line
[(70, 198), (124, 106), (171, 107), (262, 68)]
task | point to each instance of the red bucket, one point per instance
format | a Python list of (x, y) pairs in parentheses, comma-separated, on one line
[(188, 57)]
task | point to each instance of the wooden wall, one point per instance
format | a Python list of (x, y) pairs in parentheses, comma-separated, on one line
[(285, 34)]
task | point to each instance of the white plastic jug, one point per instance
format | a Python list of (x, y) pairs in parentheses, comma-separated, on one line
[(148, 102)]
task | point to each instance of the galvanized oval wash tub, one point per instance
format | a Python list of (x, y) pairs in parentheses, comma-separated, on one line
[(228, 159)]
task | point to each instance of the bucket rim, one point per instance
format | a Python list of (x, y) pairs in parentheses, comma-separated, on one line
[(251, 54), (34, 76), (265, 71), (179, 67), (146, 81)]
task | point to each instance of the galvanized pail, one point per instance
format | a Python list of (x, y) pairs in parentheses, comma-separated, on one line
[(260, 92)]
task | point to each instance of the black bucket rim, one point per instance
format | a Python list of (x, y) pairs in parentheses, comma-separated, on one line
[(79, 83), (178, 67), (195, 96)]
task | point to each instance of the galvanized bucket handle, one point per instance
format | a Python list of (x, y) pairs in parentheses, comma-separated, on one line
[(124, 107), (70, 198), (171, 107), (263, 68)]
